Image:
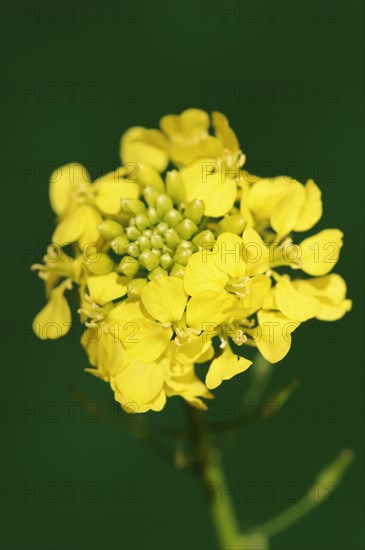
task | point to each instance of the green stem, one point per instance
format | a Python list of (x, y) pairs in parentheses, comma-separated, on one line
[(212, 475), (326, 483)]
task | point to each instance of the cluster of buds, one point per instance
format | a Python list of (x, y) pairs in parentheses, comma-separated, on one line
[(185, 268)]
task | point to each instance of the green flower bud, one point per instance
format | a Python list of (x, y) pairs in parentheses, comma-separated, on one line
[(233, 224), (157, 241), (178, 271), (162, 228), (144, 242), (185, 244), (129, 266), (166, 260), (119, 245), (157, 251), (173, 217), (132, 233), (163, 204), (148, 259), (100, 265), (204, 239), (133, 250), (186, 229), (157, 273), (148, 233), (135, 287), (133, 206), (172, 239), (150, 195), (142, 221), (182, 255), (109, 229), (153, 216), (175, 186), (195, 211)]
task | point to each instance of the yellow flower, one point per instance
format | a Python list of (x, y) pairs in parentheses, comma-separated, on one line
[(80, 204), (186, 264), (218, 282), (284, 204)]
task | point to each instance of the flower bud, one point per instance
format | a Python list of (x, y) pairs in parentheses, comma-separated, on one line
[(165, 261), (132, 206), (157, 251), (100, 265), (157, 273), (150, 195), (163, 204), (233, 224), (175, 186), (148, 259), (109, 229), (172, 239), (142, 221), (119, 245), (148, 233), (204, 239), (195, 210), (162, 228), (173, 217), (157, 241), (129, 266), (153, 216), (178, 271), (186, 229), (135, 287), (144, 242), (182, 255), (133, 250), (132, 233)]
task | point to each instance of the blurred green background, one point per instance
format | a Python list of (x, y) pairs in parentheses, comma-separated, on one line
[(289, 75)]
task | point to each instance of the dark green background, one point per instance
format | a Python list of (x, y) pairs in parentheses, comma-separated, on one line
[(151, 59)]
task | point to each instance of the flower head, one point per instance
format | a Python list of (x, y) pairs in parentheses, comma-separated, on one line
[(180, 256)]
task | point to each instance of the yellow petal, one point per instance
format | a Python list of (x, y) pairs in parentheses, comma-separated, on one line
[(105, 288), (217, 189), (192, 351), (293, 303), (190, 125), (183, 154), (273, 334), (165, 298), (104, 352), (311, 211), (146, 146), (62, 181), (264, 194), (144, 339), (228, 255), (140, 382), (80, 224), (225, 367), (111, 189), (286, 212), (255, 253), (202, 273), (330, 290), (320, 253), (225, 134), (54, 320), (207, 309)]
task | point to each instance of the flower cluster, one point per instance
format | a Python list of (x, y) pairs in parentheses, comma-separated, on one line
[(180, 256)]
